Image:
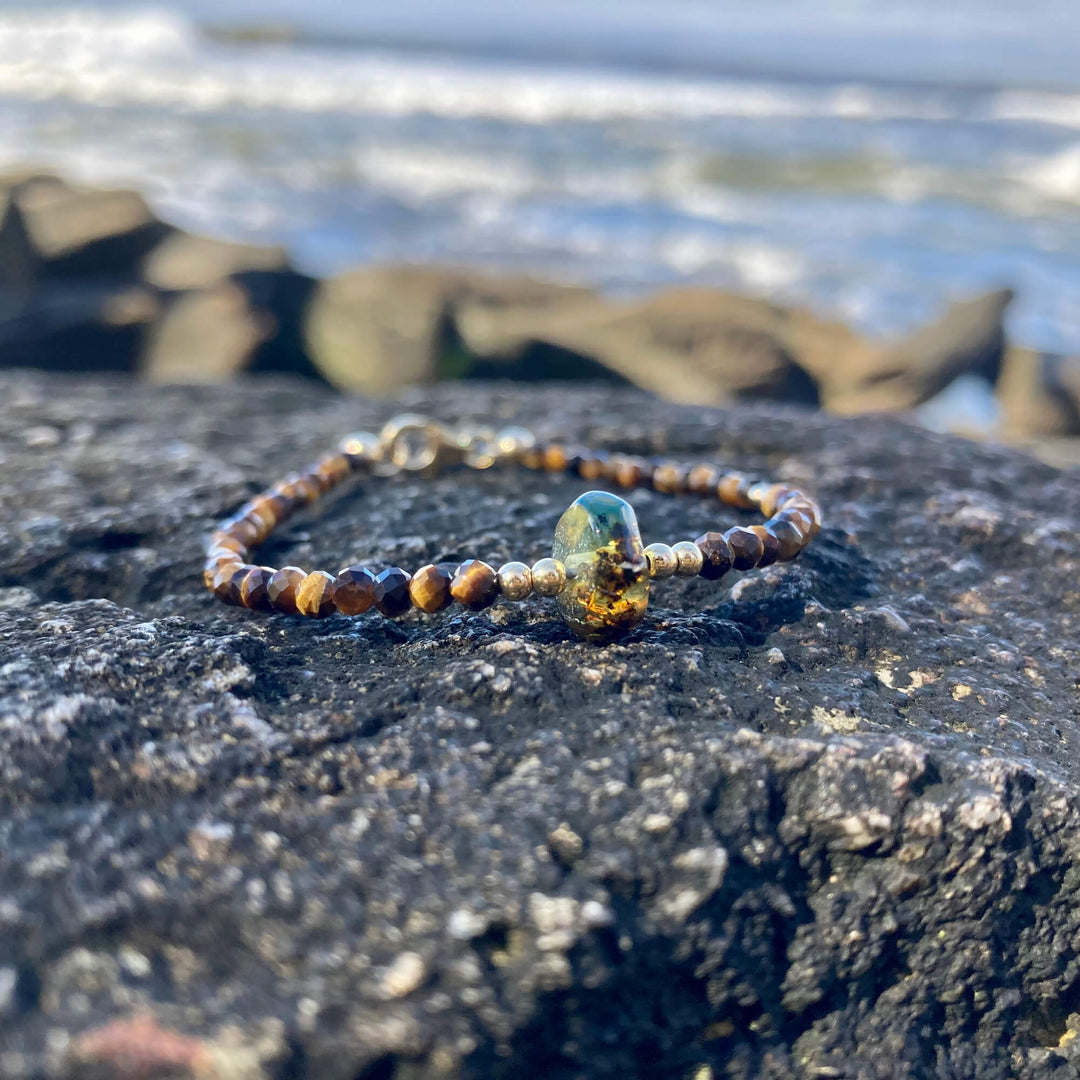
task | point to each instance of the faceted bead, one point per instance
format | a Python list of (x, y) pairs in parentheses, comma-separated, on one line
[(715, 555), (226, 582), (789, 539), (769, 544), (253, 588), (282, 589), (315, 595), (607, 574), (628, 472), (702, 480), (746, 548), (669, 478), (392, 597), (430, 588), (354, 590), (475, 585)]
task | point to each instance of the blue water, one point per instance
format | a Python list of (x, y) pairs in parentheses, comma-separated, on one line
[(869, 160)]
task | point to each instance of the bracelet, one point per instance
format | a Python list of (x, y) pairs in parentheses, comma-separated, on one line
[(599, 571)]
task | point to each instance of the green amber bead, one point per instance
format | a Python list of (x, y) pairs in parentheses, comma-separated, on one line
[(607, 574)]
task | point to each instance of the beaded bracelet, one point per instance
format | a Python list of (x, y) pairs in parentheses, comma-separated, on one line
[(599, 571)]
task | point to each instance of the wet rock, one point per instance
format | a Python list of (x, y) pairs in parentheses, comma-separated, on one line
[(968, 339), (818, 821), (187, 261)]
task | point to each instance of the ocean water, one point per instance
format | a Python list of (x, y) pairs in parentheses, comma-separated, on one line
[(870, 160)]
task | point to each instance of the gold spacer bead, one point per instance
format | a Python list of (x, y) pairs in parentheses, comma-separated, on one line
[(362, 445), (663, 562), (689, 558), (548, 577), (515, 580)]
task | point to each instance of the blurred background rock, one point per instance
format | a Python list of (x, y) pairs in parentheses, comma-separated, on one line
[(835, 205)]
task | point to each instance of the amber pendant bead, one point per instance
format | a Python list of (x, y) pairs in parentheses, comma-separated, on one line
[(607, 574)]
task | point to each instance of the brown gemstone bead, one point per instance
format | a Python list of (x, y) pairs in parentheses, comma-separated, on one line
[(282, 588), (226, 542), (218, 580), (773, 497), (332, 469), (555, 458), (430, 587), (315, 595), (746, 548), (253, 588), (533, 457), (244, 531), (593, 465), (668, 478), (354, 590), (702, 480), (770, 546), (716, 555), (789, 538), (475, 585), (628, 472), (392, 597), (304, 490), (227, 582)]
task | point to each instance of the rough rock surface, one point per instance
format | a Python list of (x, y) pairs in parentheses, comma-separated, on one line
[(818, 822)]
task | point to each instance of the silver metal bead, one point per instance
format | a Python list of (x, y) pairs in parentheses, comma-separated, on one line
[(548, 577), (515, 580), (663, 562), (362, 444), (689, 558), (512, 442)]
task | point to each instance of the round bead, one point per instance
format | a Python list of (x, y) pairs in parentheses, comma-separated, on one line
[(361, 448), (702, 480), (515, 580), (430, 588), (715, 555), (354, 590), (512, 442), (554, 458), (663, 562), (315, 595), (475, 585), (282, 588), (746, 548), (688, 557), (669, 478), (548, 577), (392, 597), (226, 581)]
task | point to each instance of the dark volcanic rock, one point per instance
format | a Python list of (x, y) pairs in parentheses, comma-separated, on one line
[(822, 822)]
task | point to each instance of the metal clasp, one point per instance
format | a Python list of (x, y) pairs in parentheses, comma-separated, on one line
[(414, 443)]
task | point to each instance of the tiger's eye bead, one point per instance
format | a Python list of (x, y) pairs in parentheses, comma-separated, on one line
[(554, 457), (430, 588), (332, 469), (515, 580), (746, 548), (392, 597), (593, 465), (789, 538), (226, 580), (715, 555), (253, 587), (770, 546), (315, 595), (688, 557), (354, 590), (548, 577), (628, 472), (475, 585), (282, 588), (669, 478), (702, 480), (662, 561)]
